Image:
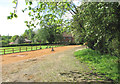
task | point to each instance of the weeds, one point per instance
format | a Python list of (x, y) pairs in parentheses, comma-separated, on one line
[(104, 65)]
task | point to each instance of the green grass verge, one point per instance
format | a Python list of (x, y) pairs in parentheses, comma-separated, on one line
[(104, 65), (23, 48)]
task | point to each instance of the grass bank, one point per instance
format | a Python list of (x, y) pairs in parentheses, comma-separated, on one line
[(104, 65)]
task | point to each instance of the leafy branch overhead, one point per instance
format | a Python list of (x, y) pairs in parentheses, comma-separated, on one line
[(42, 10)]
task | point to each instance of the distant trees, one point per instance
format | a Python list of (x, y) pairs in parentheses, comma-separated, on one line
[(20, 40), (14, 38), (50, 29), (29, 34), (5, 40), (48, 34)]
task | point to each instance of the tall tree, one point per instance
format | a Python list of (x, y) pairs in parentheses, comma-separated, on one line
[(14, 38), (101, 26), (29, 34)]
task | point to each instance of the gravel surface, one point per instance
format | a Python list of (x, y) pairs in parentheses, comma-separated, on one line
[(56, 67)]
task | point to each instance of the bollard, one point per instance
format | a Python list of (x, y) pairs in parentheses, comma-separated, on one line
[(52, 49)]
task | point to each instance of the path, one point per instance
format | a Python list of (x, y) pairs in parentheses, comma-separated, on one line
[(56, 67)]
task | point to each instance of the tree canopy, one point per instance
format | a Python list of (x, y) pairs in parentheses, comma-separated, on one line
[(99, 26), (94, 22)]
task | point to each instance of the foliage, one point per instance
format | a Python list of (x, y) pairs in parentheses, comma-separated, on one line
[(103, 64), (48, 34), (41, 35), (29, 34), (14, 38), (98, 24), (38, 11), (94, 22), (49, 30), (20, 40), (47, 15), (5, 40)]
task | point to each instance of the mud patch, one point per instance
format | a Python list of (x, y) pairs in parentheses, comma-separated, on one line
[(19, 55), (31, 60)]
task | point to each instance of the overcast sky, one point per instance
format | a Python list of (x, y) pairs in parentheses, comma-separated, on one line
[(16, 26)]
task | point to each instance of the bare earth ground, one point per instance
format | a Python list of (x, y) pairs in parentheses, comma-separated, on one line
[(46, 66), (15, 57)]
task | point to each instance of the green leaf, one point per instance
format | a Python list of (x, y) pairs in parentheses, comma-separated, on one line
[(29, 13), (8, 17), (26, 3), (28, 26), (32, 24), (15, 15), (29, 7), (30, 2), (26, 22), (32, 18), (23, 11), (41, 22)]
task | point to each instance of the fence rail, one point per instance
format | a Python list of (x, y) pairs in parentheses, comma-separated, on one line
[(22, 49)]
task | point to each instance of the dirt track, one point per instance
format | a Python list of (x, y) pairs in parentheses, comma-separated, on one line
[(15, 57), (58, 66)]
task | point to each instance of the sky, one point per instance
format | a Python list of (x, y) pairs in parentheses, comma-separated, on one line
[(16, 26)]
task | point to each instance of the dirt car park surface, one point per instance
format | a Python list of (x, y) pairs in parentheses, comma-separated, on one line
[(46, 66), (15, 57)]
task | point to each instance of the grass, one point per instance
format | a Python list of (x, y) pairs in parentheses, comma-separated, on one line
[(23, 48), (104, 65)]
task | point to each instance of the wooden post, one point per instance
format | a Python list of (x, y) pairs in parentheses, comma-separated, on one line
[(20, 49), (4, 51), (36, 47), (13, 50), (26, 48)]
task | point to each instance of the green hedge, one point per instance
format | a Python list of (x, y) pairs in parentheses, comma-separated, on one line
[(29, 44), (35, 44)]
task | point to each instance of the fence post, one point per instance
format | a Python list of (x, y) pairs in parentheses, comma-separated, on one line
[(20, 49), (40, 47), (4, 51), (13, 50), (26, 48), (36, 47)]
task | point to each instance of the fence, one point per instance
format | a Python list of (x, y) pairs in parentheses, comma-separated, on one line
[(22, 49)]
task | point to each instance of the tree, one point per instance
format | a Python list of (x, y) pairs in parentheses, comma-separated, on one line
[(49, 34), (90, 21), (100, 26), (14, 38), (41, 35), (5, 40), (20, 40), (29, 34)]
